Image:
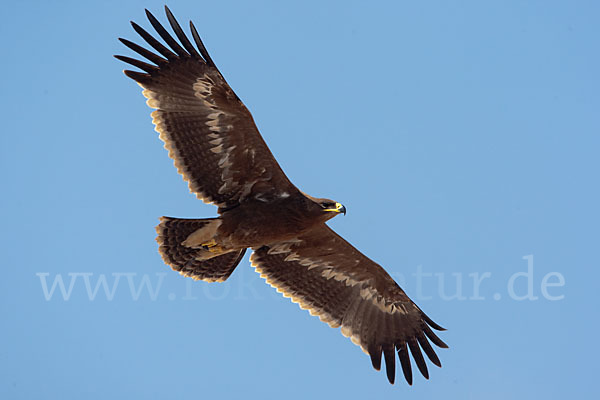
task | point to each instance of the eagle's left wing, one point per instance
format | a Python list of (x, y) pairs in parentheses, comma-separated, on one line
[(327, 276)]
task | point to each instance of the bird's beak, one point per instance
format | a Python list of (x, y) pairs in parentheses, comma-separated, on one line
[(339, 208)]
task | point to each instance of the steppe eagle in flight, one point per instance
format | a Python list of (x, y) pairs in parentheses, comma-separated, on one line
[(216, 146)]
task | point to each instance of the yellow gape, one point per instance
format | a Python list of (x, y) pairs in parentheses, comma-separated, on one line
[(338, 208)]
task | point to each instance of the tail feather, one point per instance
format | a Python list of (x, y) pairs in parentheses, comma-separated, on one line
[(191, 261)]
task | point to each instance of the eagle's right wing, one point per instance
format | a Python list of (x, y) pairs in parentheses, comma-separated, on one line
[(207, 130), (326, 275)]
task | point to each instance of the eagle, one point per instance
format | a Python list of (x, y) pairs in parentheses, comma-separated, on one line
[(217, 148)]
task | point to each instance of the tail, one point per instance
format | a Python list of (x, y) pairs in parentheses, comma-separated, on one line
[(195, 262)]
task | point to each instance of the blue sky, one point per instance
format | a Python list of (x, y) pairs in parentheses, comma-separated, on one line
[(461, 136)]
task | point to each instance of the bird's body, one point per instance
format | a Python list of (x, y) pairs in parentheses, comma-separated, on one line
[(256, 223), (216, 146), (280, 219)]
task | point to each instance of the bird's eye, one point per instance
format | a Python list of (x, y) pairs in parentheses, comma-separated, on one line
[(327, 205)]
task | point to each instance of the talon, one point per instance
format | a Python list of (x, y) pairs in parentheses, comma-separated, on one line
[(212, 246), (209, 244)]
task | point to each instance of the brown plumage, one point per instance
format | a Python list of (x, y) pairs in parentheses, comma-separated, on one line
[(216, 146)]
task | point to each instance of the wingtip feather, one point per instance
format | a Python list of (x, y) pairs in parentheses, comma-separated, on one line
[(429, 350), (418, 357), (139, 77), (405, 362), (431, 323), (375, 353), (390, 362)]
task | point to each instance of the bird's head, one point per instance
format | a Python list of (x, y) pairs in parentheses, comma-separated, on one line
[(329, 208)]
